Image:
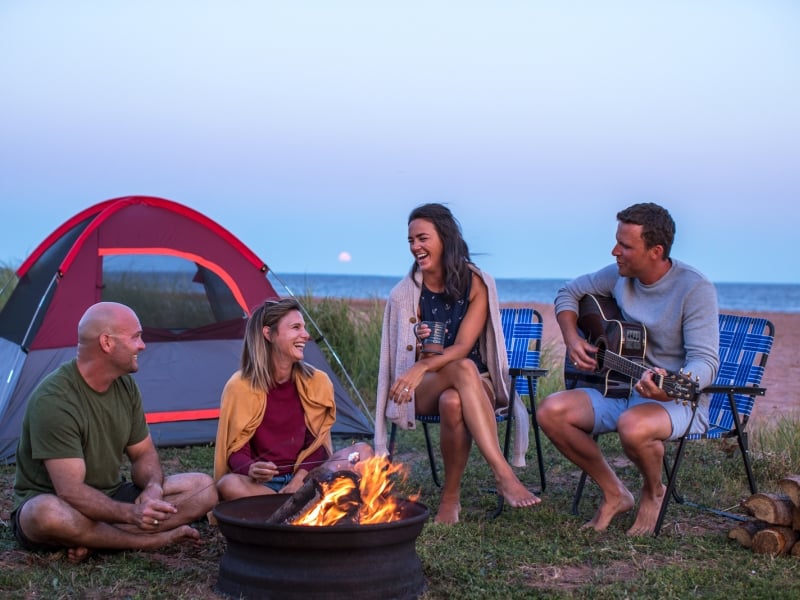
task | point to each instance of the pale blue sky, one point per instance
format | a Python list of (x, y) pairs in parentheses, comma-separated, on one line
[(309, 129)]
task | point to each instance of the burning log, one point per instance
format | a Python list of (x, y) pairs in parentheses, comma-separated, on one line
[(312, 494), (361, 495), (775, 509), (308, 494)]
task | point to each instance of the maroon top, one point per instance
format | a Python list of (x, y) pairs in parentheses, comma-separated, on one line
[(280, 437)]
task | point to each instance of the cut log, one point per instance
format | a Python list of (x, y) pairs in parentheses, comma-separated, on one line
[(796, 520), (775, 509), (796, 550), (312, 494), (790, 485), (744, 532), (308, 494), (774, 540)]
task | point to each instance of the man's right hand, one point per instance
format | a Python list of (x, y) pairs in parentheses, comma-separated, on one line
[(582, 354)]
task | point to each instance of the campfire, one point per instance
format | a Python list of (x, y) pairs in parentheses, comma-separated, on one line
[(362, 496), (343, 534)]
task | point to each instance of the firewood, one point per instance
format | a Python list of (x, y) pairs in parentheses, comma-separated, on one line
[(774, 540), (790, 485), (775, 509), (744, 532), (796, 550), (796, 519), (312, 492), (307, 494)]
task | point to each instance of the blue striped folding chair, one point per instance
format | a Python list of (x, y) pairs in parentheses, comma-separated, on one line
[(744, 346), (522, 331)]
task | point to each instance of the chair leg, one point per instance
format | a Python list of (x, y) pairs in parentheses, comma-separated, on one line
[(576, 499), (745, 450), (506, 446), (668, 471), (392, 439), (536, 435), (431, 457), (741, 437), (672, 475)]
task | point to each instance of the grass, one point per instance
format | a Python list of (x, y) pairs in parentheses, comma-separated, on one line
[(539, 552)]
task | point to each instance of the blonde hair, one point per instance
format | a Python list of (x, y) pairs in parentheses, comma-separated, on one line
[(256, 363)]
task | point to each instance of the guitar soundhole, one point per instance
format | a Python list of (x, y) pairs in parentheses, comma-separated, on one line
[(601, 353)]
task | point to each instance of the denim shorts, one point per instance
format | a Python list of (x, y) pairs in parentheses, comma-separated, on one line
[(276, 483), (608, 410)]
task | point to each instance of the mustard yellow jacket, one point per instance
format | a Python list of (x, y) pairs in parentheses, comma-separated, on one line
[(242, 410)]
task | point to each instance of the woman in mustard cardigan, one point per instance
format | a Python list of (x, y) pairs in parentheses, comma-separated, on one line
[(277, 411)]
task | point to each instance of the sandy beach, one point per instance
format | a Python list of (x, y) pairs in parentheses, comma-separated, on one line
[(783, 365)]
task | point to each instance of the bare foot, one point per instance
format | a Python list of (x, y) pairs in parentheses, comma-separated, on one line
[(77, 555), (184, 533), (516, 494), (448, 512), (610, 507), (649, 507)]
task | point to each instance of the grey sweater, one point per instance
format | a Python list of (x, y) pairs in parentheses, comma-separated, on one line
[(679, 312)]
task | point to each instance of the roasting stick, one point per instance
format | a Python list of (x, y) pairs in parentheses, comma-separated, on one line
[(353, 458)]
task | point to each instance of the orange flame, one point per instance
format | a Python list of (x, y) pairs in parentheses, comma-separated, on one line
[(369, 503)]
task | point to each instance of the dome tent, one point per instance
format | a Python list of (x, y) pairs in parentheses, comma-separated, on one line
[(190, 281)]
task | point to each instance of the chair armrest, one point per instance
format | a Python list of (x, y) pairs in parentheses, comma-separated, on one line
[(528, 372), (734, 389)]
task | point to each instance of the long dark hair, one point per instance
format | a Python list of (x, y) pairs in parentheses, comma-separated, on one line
[(455, 253), (256, 363)]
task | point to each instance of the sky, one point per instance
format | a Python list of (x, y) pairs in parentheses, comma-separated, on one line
[(310, 129)]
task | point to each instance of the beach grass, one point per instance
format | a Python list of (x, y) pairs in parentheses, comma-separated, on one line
[(537, 552)]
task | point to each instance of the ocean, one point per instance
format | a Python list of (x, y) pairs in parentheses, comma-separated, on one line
[(762, 297)]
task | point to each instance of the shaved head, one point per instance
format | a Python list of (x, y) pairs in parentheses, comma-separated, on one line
[(105, 317)]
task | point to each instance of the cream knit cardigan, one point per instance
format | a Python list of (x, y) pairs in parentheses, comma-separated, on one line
[(398, 354)]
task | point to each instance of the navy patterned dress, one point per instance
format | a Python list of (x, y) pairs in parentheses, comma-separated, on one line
[(435, 306)]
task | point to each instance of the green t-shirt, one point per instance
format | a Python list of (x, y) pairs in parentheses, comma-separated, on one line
[(65, 418)]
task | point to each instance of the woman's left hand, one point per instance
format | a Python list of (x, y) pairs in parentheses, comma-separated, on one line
[(402, 389)]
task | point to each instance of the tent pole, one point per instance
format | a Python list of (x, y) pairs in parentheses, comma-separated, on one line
[(367, 412), (45, 298)]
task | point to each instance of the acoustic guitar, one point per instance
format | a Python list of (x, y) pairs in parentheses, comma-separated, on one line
[(620, 354)]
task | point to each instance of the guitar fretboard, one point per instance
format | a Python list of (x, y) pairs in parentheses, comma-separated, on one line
[(618, 364)]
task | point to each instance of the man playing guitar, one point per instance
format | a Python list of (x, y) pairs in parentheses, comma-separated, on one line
[(677, 308)]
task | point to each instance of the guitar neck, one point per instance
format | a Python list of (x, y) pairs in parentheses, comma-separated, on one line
[(624, 366)]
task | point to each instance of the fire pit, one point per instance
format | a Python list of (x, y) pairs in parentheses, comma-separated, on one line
[(278, 560)]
